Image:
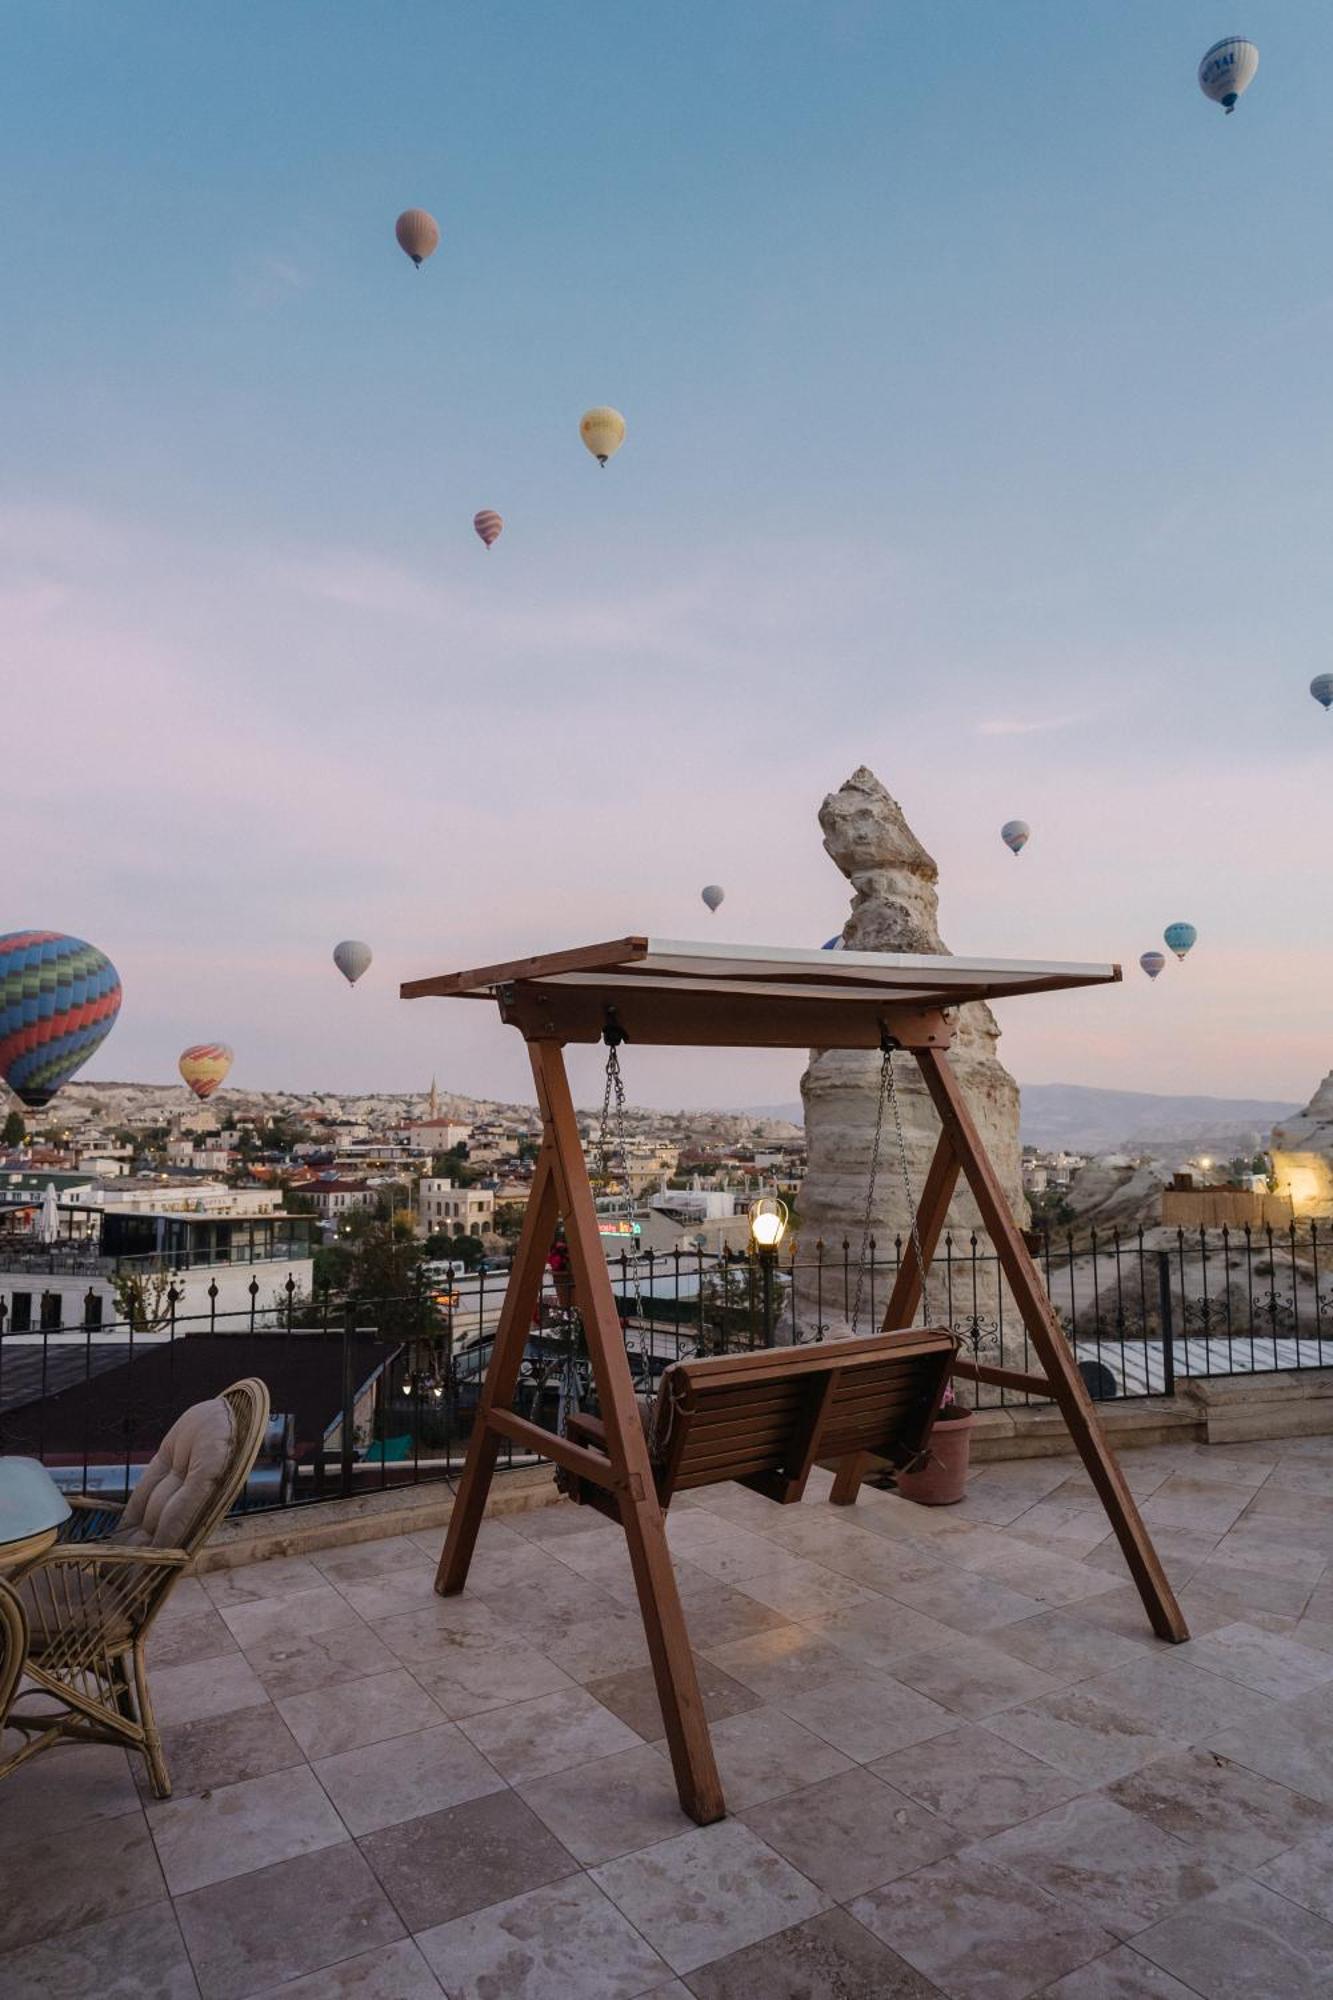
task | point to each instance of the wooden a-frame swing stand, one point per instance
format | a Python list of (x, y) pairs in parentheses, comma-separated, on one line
[(706, 995)]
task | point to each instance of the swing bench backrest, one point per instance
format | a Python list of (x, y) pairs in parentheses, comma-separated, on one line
[(765, 1418)]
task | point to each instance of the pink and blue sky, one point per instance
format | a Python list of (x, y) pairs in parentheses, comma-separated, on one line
[(976, 374)]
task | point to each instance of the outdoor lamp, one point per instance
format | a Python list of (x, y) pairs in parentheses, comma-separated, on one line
[(768, 1222)]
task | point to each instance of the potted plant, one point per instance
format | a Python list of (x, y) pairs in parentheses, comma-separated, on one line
[(939, 1476)]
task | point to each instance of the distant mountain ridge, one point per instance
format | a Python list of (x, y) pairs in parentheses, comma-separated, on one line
[(1078, 1118)]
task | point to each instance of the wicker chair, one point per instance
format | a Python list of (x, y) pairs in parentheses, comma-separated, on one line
[(91, 1599), (13, 1648)]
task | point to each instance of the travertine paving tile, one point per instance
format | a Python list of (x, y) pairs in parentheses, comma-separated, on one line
[(254, 1931), (80, 1875), (140, 1956), (251, 1583), (391, 1972), (977, 1782), (1305, 1873), (1081, 1736), (405, 1778), (799, 1589), (1266, 1661), (446, 1864), (213, 1835), (633, 1695), (979, 1932), (564, 1939), (206, 1687), (852, 1833), (965, 1601), (763, 1753), (1121, 1975), (1232, 1816), (615, 1805), (222, 1750), (1069, 1647), (371, 1562), (830, 1957), (1244, 1941), (64, 1787), (368, 1710), (874, 1635), (468, 1682), (972, 1677), (1110, 1864), (1293, 1745), (202, 1636), (867, 1715), (789, 1659), (297, 1662), (315, 1610), (708, 1892), (554, 1733)]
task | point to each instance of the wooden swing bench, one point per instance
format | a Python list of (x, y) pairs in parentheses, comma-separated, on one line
[(765, 1419)]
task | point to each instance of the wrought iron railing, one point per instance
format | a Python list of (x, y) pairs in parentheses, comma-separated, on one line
[(373, 1393)]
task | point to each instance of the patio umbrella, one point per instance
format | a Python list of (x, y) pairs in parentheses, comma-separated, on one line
[(48, 1222)]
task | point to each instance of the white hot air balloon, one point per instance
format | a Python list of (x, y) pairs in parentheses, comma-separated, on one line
[(1015, 833), (1228, 69), (712, 895), (352, 958)]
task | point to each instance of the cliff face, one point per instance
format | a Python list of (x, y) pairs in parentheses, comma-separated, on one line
[(1302, 1149), (895, 906)]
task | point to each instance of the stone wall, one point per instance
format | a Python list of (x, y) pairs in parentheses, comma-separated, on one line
[(895, 905)]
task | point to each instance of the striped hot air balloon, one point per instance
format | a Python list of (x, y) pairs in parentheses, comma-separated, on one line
[(59, 999), (488, 525), (1015, 834), (418, 234), (1152, 962), (204, 1065)]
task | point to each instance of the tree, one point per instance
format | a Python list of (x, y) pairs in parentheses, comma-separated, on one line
[(15, 1131), (143, 1299)]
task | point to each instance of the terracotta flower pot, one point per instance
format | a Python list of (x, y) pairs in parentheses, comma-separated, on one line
[(941, 1479)]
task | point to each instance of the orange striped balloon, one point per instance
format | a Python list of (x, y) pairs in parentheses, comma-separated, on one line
[(204, 1065), (418, 234), (488, 525)]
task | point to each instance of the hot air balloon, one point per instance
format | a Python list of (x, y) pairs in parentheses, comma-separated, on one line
[(712, 895), (204, 1065), (1152, 963), (488, 525), (1014, 833), (418, 234), (603, 431), (1228, 69), (59, 999), (352, 958), (1181, 938), (1321, 687), (837, 943)]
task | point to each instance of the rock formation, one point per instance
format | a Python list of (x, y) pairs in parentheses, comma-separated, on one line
[(1117, 1193), (1302, 1149), (895, 908)]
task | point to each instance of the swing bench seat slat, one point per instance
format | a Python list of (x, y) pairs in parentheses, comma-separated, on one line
[(766, 1417)]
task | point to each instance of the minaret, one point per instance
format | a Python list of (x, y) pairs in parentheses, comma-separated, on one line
[(433, 1101)]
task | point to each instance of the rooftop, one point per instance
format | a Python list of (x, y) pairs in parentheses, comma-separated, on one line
[(958, 1764)]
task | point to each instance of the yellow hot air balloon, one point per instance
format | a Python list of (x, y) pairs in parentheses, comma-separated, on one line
[(603, 431), (418, 234), (204, 1065)]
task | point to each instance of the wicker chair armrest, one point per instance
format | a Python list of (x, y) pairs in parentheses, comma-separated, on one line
[(93, 1503), (94, 1556)]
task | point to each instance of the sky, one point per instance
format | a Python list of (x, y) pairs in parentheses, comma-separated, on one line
[(975, 372)]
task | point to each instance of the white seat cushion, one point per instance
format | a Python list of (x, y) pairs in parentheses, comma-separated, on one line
[(181, 1481)]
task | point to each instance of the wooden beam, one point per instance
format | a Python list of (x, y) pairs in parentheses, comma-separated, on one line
[(497, 1391), (1004, 1378), (688, 1741), (700, 1019), (593, 1465), (1047, 1336)]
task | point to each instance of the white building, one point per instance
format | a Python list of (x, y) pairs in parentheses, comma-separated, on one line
[(446, 1210)]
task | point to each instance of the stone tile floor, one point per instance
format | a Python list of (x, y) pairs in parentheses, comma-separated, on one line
[(956, 1759)]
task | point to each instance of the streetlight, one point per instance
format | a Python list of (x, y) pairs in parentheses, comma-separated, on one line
[(768, 1226)]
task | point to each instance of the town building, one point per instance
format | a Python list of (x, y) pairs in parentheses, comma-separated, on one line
[(446, 1210)]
